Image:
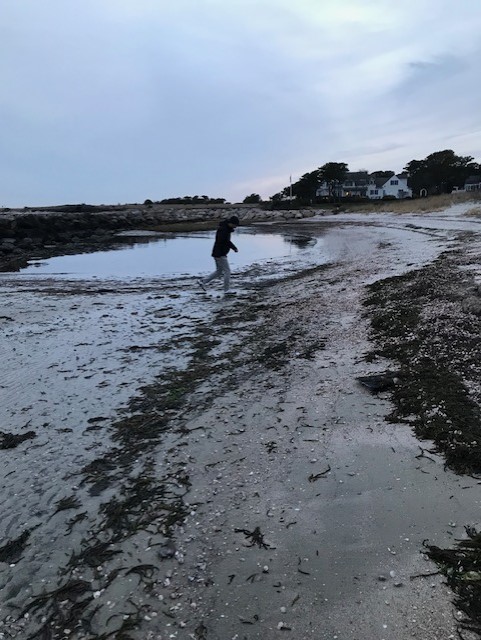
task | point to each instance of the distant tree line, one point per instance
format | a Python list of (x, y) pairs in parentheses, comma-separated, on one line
[(304, 190), (254, 198), (440, 172), (187, 200)]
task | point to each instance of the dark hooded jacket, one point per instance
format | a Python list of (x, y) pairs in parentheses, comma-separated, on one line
[(222, 244)]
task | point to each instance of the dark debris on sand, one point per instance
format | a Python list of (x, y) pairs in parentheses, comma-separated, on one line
[(420, 323), (462, 568), (12, 440)]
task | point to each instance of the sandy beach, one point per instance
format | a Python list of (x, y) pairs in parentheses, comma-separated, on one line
[(178, 465)]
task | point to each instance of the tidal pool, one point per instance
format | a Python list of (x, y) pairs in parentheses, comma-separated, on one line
[(186, 254)]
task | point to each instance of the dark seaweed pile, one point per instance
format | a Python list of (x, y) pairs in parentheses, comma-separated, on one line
[(462, 567), (422, 323), (12, 440)]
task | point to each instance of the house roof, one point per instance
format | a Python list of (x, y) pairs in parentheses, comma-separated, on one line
[(398, 176), (473, 179), (358, 177)]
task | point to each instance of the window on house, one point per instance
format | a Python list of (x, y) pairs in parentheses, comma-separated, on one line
[(393, 182)]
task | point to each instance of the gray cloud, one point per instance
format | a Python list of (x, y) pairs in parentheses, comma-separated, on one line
[(128, 99)]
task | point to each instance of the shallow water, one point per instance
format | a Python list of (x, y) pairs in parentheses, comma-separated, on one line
[(170, 254)]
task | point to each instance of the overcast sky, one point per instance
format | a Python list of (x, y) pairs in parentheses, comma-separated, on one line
[(106, 101)]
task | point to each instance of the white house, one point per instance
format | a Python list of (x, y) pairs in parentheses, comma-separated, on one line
[(361, 184), (395, 186), (473, 183)]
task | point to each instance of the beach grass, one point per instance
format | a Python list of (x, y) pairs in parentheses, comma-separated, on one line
[(419, 205)]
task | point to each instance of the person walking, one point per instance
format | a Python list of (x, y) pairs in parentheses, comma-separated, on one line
[(222, 246)]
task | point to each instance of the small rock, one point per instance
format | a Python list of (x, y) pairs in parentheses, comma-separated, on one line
[(167, 550)]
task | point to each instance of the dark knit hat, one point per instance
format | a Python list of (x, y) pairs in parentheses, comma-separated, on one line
[(234, 220)]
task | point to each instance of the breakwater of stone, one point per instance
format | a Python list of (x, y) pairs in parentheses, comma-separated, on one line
[(75, 228)]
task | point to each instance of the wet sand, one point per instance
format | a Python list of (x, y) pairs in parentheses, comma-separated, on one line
[(204, 468)]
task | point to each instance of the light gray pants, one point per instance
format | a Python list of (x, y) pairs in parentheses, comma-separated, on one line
[(222, 269)]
